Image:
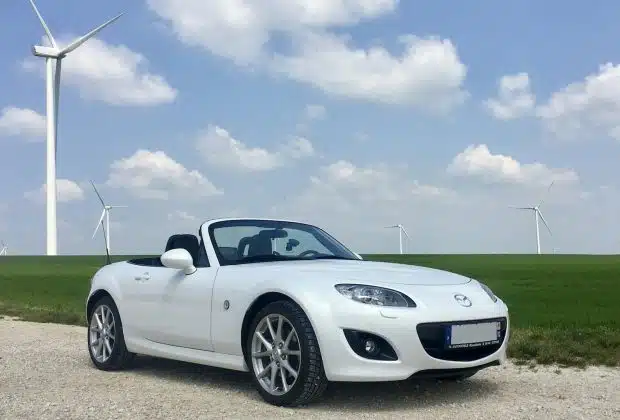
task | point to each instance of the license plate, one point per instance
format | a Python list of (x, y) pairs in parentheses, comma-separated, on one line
[(472, 335)]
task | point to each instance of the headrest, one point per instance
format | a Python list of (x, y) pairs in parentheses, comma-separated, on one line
[(260, 245), (186, 241)]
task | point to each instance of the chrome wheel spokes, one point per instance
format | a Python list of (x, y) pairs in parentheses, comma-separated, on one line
[(102, 335), (276, 354)]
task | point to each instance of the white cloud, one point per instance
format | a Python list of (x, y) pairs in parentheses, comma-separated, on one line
[(314, 112), (66, 191), (586, 107), (354, 202), (111, 73), (22, 122), (422, 190), (311, 113), (428, 73), (477, 161), (154, 175), (241, 29), (515, 98), (297, 148), (376, 182), (361, 137), (220, 149), (183, 216), (231, 29)]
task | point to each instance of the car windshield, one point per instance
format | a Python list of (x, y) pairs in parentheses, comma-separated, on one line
[(247, 241)]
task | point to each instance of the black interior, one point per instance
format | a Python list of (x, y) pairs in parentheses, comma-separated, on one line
[(243, 243), (229, 252), (260, 244), (147, 261), (185, 241)]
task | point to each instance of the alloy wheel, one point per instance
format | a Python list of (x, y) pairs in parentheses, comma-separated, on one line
[(102, 336), (276, 354)]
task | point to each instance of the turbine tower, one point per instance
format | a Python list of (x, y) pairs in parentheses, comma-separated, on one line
[(53, 57), (401, 230), (105, 213), (537, 215), (3, 249)]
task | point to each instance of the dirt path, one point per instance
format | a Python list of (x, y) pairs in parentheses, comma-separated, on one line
[(45, 373)]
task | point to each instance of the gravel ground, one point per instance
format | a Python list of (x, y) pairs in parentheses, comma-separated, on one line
[(45, 373)]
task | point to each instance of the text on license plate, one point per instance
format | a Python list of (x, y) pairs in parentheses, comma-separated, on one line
[(472, 335)]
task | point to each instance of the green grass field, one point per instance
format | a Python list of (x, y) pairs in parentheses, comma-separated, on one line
[(564, 309)]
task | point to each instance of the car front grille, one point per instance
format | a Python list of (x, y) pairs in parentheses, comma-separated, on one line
[(432, 337)]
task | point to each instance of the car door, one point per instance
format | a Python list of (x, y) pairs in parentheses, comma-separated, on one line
[(136, 295), (178, 307)]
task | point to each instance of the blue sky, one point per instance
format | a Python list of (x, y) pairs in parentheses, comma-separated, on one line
[(349, 114)]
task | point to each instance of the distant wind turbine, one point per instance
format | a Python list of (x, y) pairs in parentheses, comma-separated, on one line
[(105, 213), (4, 249), (537, 215), (401, 230), (54, 55)]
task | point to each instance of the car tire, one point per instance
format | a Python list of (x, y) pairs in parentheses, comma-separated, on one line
[(110, 337), (310, 381)]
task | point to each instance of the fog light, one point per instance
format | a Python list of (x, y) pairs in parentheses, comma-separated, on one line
[(370, 346)]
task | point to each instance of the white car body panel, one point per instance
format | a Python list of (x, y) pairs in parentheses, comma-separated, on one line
[(184, 317)]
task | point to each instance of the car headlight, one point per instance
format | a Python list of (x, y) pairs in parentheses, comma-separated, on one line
[(374, 295), (489, 291)]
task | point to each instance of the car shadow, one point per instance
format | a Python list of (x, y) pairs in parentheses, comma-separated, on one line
[(192, 373), (387, 396), (354, 397)]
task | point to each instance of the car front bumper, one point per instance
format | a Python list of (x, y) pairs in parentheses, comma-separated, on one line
[(416, 336)]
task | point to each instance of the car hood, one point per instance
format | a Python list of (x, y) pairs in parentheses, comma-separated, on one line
[(364, 272)]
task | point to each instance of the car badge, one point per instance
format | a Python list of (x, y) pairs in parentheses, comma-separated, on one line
[(462, 300)]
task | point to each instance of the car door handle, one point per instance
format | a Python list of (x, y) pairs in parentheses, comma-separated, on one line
[(143, 277)]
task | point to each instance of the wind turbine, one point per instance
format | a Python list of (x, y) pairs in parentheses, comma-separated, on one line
[(537, 215), (4, 249), (53, 57), (105, 213), (401, 230)]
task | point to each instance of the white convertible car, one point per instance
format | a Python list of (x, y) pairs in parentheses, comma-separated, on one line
[(293, 306)]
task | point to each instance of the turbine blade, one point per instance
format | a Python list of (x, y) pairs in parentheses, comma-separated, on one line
[(86, 37), (117, 207), (405, 232), (45, 28), (521, 208), (545, 222), (548, 189), (97, 192), (99, 224)]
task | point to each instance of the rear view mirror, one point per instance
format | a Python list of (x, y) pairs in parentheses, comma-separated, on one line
[(180, 259), (291, 244)]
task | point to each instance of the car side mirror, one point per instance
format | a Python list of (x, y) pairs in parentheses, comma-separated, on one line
[(358, 255), (180, 259)]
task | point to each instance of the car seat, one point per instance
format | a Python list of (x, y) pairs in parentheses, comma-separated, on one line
[(186, 241)]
